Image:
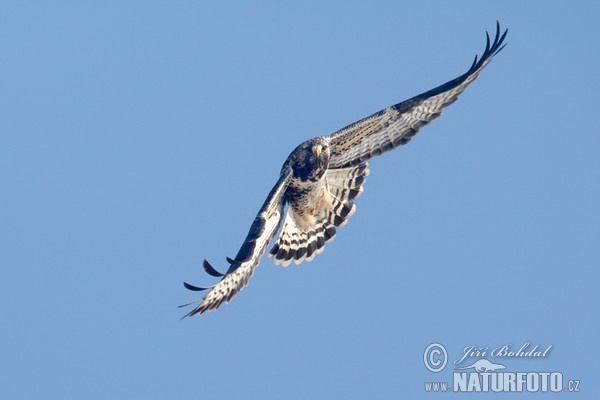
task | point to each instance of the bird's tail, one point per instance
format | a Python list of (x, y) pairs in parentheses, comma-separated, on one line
[(302, 244), (295, 244)]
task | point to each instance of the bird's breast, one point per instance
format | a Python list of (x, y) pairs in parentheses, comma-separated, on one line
[(308, 199)]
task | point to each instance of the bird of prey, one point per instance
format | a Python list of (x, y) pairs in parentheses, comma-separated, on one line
[(322, 177)]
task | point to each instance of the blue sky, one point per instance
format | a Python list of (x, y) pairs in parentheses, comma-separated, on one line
[(139, 138)]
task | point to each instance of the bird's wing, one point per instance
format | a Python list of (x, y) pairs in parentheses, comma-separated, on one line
[(397, 124), (241, 268)]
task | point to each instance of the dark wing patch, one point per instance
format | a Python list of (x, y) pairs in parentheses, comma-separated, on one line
[(397, 124)]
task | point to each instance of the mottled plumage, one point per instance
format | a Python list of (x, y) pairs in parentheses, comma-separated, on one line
[(323, 176)]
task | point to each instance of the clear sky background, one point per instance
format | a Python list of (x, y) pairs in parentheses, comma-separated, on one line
[(138, 138)]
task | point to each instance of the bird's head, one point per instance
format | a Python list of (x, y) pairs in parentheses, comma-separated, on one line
[(311, 159)]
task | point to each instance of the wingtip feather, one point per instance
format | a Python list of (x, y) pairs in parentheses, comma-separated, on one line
[(211, 270), (195, 288)]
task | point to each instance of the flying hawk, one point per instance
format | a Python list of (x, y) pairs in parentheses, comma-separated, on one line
[(321, 178)]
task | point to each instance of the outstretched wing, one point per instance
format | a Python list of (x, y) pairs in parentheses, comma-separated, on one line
[(261, 232), (397, 124)]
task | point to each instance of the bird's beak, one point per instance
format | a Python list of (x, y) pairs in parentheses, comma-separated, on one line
[(317, 150)]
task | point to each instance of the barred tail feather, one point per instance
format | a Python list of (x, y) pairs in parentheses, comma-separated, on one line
[(297, 245)]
